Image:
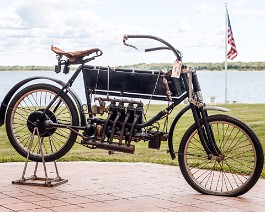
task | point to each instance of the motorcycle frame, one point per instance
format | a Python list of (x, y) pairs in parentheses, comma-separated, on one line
[(193, 93)]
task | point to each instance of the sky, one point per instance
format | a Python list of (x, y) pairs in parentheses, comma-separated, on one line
[(28, 28)]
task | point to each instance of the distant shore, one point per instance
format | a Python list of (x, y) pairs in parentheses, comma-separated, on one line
[(239, 66)]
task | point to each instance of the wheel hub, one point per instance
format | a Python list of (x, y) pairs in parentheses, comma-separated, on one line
[(219, 158), (36, 119)]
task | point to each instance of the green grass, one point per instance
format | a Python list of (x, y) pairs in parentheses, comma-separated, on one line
[(252, 114)]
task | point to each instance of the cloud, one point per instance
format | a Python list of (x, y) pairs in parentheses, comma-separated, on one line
[(249, 8), (249, 12), (202, 7), (240, 2), (8, 18), (220, 31), (30, 27), (200, 40), (49, 21), (183, 27), (205, 8)]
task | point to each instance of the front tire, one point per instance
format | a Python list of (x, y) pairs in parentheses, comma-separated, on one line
[(233, 175), (26, 108)]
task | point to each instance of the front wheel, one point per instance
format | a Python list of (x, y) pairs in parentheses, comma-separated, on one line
[(232, 174), (27, 108)]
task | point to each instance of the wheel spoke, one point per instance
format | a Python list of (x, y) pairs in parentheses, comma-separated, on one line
[(55, 141), (52, 144), (27, 139), (34, 105), (29, 108)]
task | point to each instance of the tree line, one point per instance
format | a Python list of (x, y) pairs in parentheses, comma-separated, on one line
[(26, 68), (239, 66)]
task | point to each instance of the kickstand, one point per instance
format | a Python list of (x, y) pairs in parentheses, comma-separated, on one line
[(39, 181)]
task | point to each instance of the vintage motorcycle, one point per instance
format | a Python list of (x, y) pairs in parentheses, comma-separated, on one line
[(217, 155)]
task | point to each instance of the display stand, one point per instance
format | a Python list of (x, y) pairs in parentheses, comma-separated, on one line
[(39, 181)]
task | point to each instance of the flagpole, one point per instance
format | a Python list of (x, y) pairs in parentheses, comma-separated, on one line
[(226, 40)]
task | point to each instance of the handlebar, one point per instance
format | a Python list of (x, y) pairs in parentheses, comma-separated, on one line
[(168, 45)]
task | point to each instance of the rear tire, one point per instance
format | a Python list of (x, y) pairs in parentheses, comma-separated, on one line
[(26, 108), (233, 175)]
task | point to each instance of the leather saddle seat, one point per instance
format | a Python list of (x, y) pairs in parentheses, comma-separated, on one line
[(73, 56)]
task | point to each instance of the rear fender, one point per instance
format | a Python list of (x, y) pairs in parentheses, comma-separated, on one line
[(13, 90)]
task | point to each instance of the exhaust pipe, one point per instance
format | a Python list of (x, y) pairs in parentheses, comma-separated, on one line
[(111, 146)]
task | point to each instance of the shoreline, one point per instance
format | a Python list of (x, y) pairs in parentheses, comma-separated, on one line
[(206, 70)]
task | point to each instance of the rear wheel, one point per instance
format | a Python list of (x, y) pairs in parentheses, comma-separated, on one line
[(233, 173), (27, 108)]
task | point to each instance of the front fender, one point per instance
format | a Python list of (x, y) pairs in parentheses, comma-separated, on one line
[(170, 135), (9, 95), (175, 121), (216, 108)]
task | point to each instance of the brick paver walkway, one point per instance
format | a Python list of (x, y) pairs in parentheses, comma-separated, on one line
[(117, 187)]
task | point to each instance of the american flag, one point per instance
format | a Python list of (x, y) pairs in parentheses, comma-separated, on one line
[(232, 52)]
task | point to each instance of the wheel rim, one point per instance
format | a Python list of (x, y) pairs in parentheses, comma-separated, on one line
[(232, 171), (27, 109)]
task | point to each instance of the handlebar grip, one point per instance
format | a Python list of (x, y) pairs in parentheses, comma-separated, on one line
[(157, 48), (138, 36), (129, 36)]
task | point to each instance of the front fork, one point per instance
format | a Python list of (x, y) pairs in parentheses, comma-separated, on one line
[(205, 131), (200, 114)]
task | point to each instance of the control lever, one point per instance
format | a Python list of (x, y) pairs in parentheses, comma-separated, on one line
[(126, 44)]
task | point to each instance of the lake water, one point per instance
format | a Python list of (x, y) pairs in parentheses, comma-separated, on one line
[(243, 87)]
